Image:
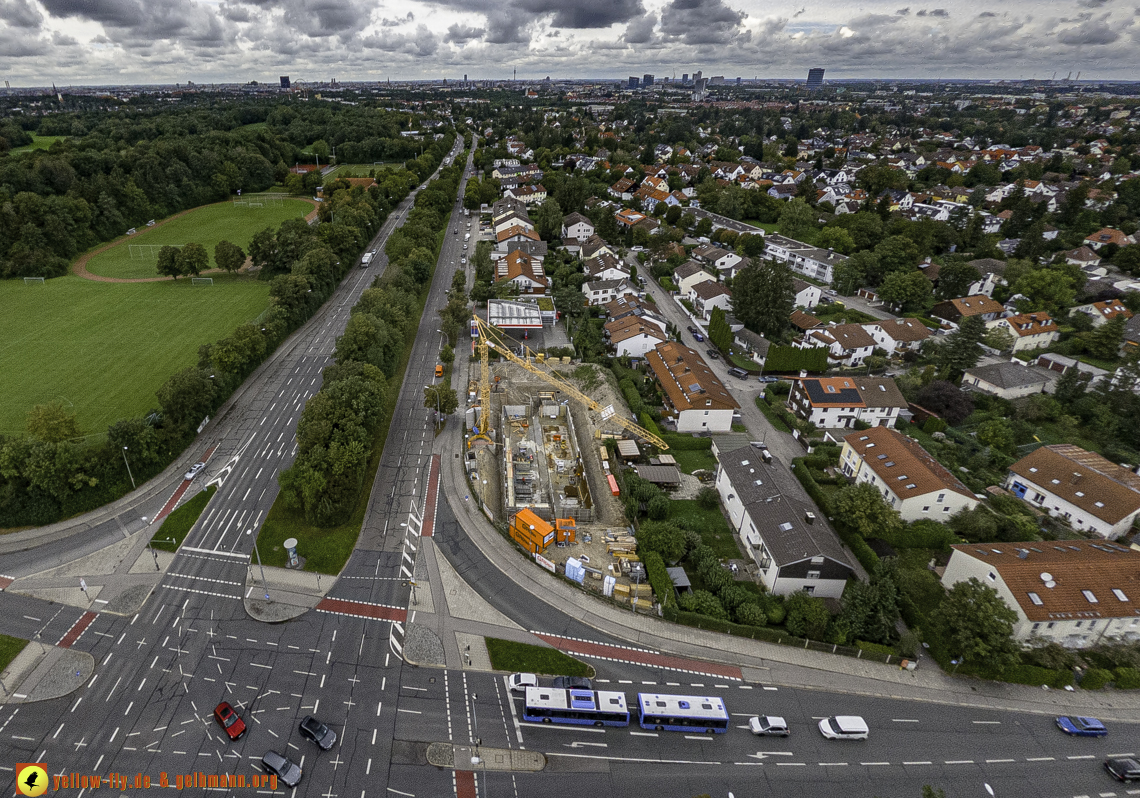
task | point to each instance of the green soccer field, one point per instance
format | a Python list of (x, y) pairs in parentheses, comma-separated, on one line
[(103, 349), (206, 225), (358, 169)]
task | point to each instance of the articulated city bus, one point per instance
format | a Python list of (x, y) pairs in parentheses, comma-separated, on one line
[(684, 713), (581, 707)]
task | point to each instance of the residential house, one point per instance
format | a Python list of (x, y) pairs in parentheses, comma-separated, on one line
[(1082, 256), (594, 246), (754, 344), (1030, 330), (806, 295), (622, 189), (1091, 493), (809, 261), (575, 225), (628, 218), (910, 479), (604, 266), (1103, 312), (1011, 380), (793, 548), (847, 344), (896, 336), (1074, 592), (688, 274), (1106, 235), (527, 193), (804, 321), (525, 272), (708, 295), (633, 336), (954, 310), (644, 309), (695, 398), (992, 273), (835, 402), (514, 233), (1131, 335), (602, 292)]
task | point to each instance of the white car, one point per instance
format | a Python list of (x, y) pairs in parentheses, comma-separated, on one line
[(194, 471), (768, 726), (844, 727), (518, 682)]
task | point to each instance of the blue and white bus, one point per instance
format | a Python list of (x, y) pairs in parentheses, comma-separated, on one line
[(581, 707), (683, 713)]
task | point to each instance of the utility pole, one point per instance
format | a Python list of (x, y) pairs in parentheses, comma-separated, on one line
[(262, 567)]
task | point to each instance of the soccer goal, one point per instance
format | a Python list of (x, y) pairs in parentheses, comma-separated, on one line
[(33, 281), (149, 251), (201, 280)]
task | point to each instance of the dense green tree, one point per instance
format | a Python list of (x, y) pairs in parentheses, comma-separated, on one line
[(548, 220), (806, 616), (1104, 341), (838, 239), (907, 291), (871, 609), (854, 273), (168, 262), (228, 257), (896, 253), (763, 299), (442, 398), (52, 423), (863, 508), (193, 259), (978, 625), (960, 349), (797, 220), (955, 279)]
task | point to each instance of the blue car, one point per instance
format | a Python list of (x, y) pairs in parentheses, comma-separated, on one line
[(1081, 727)]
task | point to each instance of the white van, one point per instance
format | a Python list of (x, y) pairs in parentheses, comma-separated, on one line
[(466, 236), (364, 261), (844, 727)]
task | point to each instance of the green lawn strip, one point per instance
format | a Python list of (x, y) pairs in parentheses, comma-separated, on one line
[(690, 461), (10, 647), (103, 349), (39, 143), (770, 414), (714, 530), (206, 225), (178, 524), (358, 169), (327, 550), (744, 362), (507, 655), (767, 227)]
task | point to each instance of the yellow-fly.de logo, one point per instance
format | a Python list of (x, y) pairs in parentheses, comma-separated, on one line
[(31, 778)]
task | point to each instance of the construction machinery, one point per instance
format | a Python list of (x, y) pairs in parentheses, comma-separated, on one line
[(491, 338)]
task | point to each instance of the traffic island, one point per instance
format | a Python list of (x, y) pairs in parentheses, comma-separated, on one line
[(41, 673), (481, 757), (275, 595)]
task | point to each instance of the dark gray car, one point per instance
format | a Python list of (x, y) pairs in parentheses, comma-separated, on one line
[(319, 733), (572, 683), (282, 767)]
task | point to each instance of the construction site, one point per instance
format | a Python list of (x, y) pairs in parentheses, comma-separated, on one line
[(537, 462)]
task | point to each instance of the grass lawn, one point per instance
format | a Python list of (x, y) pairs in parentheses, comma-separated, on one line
[(177, 525), (359, 169), (770, 414), (206, 225), (690, 461), (743, 361), (9, 648), (767, 227), (40, 143), (103, 349), (844, 316), (715, 532), (507, 655)]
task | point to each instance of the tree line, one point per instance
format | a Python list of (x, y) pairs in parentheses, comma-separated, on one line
[(337, 430), (53, 473)]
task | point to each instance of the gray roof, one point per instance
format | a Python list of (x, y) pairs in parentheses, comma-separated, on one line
[(989, 266), (659, 474), (774, 500), (687, 269), (1132, 329), (1010, 375), (755, 340)]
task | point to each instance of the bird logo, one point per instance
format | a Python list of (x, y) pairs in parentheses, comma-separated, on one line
[(31, 779)]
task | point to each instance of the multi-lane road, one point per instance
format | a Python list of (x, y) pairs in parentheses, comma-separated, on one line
[(159, 673)]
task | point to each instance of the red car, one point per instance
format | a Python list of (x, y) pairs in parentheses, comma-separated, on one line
[(229, 720)]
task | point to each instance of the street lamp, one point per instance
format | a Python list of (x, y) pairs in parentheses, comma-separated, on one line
[(434, 389), (264, 584), (475, 719), (128, 465)]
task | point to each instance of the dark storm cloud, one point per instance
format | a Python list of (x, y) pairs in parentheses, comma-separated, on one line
[(938, 12), (119, 13), (20, 14), (584, 13), (702, 22), (461, 34), (141, 23), (902, 12), (1091, 31), (640, 30), (15, 44), (331, 16), (508, 26)]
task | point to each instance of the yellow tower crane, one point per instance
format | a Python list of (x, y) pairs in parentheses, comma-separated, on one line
[(490, 338)]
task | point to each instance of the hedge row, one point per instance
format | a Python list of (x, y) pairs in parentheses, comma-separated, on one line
[(659, 579), (855, 542), (790, 358)]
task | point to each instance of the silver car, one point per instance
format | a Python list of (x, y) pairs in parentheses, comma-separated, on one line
[(282, 767)]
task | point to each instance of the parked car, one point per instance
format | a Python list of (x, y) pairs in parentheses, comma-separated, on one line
[(698, 336), (768, 380), (572, 683), (713, 354), (1123, 768), (692, 329), (844, 727), (194, 471), (768, 726), (1081, 727), (229, 720), (736, 371), (518, 682), (312, 729), (282, 767)]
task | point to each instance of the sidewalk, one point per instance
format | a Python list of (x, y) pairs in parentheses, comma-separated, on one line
[(761, 661), (284, 593), (41, 673)]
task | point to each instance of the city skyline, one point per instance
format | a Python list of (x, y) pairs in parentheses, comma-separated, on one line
[(223, 41)]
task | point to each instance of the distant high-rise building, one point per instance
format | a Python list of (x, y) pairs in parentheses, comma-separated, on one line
[(464, 77), (646, 81), (284, 81), (738, 81), (684, 77), (815, 79), (633, 82)]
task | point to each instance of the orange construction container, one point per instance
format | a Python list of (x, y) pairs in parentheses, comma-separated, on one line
[(565, 530), (613, 485), (530, 531)]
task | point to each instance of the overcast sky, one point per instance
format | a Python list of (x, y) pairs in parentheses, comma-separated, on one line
[(168, 41)]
